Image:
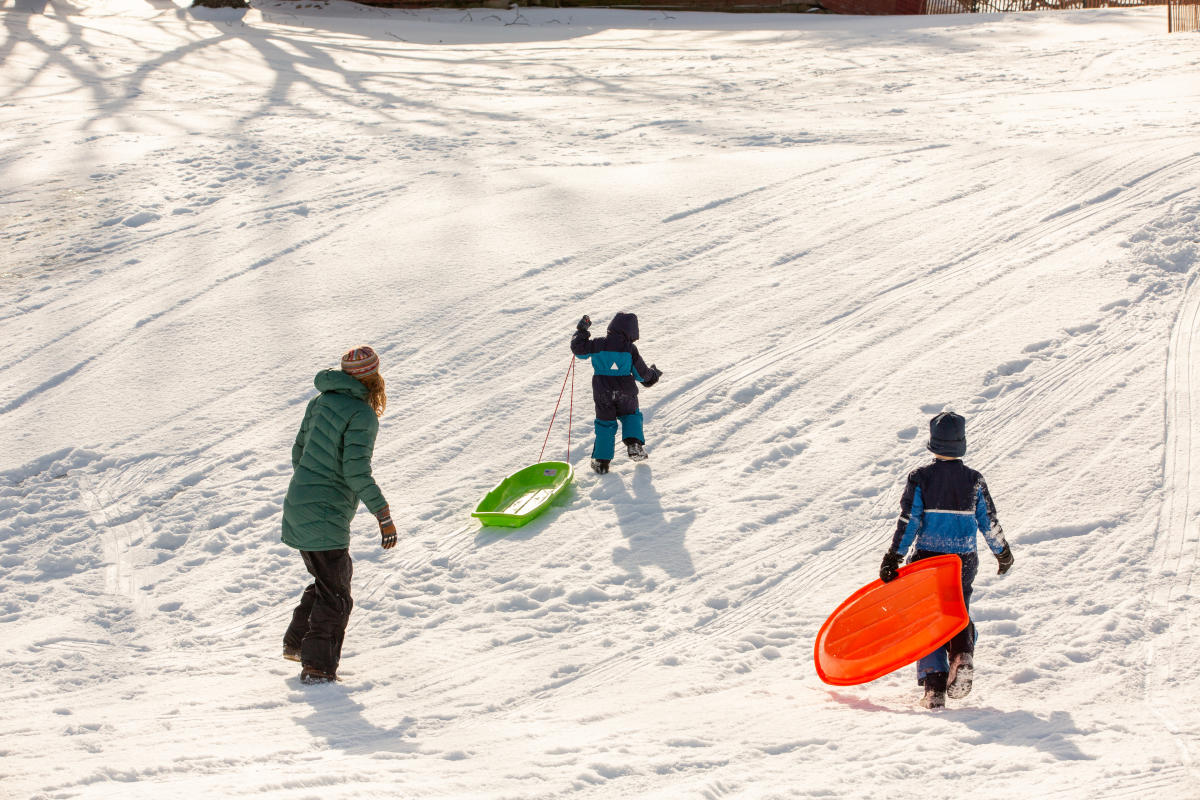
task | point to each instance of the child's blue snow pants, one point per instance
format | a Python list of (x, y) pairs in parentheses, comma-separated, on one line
[(964, 640), (611, 408)]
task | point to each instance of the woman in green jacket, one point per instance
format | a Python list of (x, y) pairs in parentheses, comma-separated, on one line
[(331, 462)]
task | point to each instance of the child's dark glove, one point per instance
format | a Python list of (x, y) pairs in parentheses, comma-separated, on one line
[(655, 374), (387, 528), (889, 570), (1005, 559), (584, 323)]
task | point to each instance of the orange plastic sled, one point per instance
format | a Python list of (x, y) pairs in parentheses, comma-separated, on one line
[(884, 626)]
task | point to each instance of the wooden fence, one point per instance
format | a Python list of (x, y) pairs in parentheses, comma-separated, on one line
[(1009, 6), (984, 6), (1182, 16)]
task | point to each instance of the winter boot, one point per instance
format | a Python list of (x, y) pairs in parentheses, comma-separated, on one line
[(636, 451), (933, 699), (291, 653), (935, 691), (600, 465), (962, 675), (311, 676)]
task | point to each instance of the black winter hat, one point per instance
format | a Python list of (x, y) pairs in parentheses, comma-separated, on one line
[(948, 435)]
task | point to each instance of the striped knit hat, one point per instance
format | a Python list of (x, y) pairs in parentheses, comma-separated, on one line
[(360, 362)]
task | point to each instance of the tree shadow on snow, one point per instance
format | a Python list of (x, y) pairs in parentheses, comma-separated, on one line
[(303, 71), (338, 721), (388, 87), (653, 539)]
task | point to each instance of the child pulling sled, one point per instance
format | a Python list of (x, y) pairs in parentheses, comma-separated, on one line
[(618, 369)]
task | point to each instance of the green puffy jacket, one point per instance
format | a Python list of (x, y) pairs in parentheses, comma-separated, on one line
[(331, 460)]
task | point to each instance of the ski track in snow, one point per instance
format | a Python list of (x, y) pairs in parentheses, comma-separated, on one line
[(819, 266), (1176, 556)]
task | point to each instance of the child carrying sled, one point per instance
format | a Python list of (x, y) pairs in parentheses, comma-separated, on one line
[(618, 369), (943, 506)]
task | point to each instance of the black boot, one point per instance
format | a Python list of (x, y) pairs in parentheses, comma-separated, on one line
[(935, 691), (600, 465), (311, 676), (636, 451)]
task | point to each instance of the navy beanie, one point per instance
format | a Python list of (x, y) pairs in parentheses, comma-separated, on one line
[(948, 435)]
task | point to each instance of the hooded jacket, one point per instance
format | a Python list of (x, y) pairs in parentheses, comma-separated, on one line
[(331, 459), (945, 506), (615, 359)]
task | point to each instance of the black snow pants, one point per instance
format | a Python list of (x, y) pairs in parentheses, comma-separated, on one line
[(319, 622), (612, 404)]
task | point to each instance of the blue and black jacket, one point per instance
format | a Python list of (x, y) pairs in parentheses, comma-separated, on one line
[(943, 506), (618, 366)]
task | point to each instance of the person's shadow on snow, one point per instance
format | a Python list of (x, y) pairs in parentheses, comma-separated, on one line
[(1024, 729), (337, 720), (1007, 728), (653, 539)]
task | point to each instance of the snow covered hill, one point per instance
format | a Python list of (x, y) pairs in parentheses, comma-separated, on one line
[(831, 228)]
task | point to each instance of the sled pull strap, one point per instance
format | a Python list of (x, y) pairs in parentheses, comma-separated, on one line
[(570, 372), (571, 411)]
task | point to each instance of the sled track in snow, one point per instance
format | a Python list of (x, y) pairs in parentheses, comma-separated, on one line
[(1166, 781), (112, 617), (1046, 230), (1171, 605), (449, 546)]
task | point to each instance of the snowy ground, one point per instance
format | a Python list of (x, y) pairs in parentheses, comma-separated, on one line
[(831, 228)]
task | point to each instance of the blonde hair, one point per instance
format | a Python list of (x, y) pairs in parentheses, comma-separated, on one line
[(376, 392)]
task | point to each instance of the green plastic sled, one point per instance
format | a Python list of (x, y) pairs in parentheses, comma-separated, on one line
[(523, 495)]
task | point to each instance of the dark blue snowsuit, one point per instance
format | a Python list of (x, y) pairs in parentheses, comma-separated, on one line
[(944, 505), (618, 369)]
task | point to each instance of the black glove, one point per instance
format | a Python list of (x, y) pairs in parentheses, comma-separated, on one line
[(387, 528), (889, 570), (1005, 559), (655, 374), (584, 323)]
